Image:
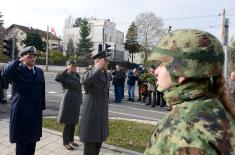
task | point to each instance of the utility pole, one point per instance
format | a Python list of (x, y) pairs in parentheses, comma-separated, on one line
[(47, 50), (114, 52), (224, 35)]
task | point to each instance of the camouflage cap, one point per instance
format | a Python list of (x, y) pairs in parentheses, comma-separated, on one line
[(189, 53)]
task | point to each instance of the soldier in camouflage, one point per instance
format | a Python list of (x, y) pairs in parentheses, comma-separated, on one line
[(202, 120)]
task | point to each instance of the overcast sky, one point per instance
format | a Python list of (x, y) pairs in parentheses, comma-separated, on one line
[(40, 13)]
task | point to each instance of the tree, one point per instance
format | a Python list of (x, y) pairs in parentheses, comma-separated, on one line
[(3, 57), (150, 28), (131, 40), (77, 22), (34, 39), (70, 48), (1, 21), (84, 47), (68, 22)]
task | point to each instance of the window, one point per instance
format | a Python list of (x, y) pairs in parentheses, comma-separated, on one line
[(142, 55)]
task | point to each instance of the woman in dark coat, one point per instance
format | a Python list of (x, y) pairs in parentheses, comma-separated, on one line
[(28, 101), (70, 105)]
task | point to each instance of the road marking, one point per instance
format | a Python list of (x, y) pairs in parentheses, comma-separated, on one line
[(139, 109), (54, 100), (134, 116), (124, 107), (52, 92)]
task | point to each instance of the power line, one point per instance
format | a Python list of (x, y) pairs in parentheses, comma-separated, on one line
[(193, 17)]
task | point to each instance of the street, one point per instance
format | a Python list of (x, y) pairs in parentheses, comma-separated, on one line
[(130, 110)]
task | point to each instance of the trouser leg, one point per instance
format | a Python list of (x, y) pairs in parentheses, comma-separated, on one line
[(71, 132), (25, 148), (66, 136), (149, 97), (154, 99), (92, 148), (30, 150)]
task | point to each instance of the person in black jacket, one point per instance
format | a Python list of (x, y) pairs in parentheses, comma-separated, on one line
[(28, 101), (118, 82), (132, 77)]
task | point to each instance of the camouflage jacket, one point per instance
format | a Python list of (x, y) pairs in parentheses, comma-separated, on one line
[(197, 125)]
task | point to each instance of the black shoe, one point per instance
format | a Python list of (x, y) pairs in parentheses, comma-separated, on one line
[(128, 99), (152, 105), (74, 144), (139, 99), (132, 100), (148, 104), (68, 147)]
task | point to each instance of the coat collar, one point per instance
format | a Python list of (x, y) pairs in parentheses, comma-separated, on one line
[(186, 92)]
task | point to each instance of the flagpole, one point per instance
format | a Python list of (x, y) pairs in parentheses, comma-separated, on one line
[(47, 49), (51, 39)]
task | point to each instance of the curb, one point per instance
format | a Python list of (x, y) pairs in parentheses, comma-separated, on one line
[(106, 146)]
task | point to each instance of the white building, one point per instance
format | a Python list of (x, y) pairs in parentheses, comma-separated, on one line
[(102, 31), (20, 33), (138, 58)]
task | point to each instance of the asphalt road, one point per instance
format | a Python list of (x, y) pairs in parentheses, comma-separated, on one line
[(133, 110), (130, 110)]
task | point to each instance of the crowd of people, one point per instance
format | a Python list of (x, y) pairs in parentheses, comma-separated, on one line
[(142, 77), (184, 71)]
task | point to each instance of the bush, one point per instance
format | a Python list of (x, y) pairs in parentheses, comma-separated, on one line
[(54, 58)]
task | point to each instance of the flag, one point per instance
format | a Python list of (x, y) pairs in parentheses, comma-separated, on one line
[(53, 30)]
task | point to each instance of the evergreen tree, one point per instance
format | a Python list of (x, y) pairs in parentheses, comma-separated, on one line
[(3, 57), (34, 39), (70, 48), (84, 47), (77, 22), (131, 40)]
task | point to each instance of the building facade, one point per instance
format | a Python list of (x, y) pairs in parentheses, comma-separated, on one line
[(138, 58), (20, 33), (102, 31)]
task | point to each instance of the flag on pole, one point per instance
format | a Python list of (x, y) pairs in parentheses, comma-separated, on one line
[(53, 30)]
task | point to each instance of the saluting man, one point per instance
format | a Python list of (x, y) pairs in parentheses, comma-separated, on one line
[(28, 101), (94, 121), (70, 104)]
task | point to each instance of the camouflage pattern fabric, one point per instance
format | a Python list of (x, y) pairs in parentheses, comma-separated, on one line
[(197, 125), (189, 53)]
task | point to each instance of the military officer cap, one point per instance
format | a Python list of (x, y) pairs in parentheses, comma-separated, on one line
[(28, 50), (71, 62), (103, 54)]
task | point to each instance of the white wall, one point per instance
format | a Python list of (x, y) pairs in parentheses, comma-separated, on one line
[(98, 27)]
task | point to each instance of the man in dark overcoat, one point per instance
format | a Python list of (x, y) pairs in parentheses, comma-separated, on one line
[(70, 104), (94, 121), (28, 101)]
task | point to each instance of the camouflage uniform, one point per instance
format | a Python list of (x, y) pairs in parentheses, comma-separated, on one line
[(198, 124)]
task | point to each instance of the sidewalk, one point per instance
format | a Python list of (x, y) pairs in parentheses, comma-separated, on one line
[(50, 143)]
